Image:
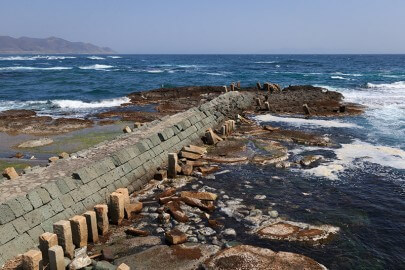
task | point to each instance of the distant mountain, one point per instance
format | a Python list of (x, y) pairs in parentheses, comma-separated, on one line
[(10, 45)]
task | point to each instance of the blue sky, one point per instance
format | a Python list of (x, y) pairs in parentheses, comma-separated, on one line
[(221, 26)]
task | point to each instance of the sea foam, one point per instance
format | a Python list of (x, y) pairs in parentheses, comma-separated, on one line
[(33, 68), (78, 104), (96, 67), (95, 58), (304, 122)]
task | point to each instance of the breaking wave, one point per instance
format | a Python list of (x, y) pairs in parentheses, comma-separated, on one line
[(395, 85), (95, 58), (33, 68), (78, 104), (33, 58), (304, 122), (96, 67)]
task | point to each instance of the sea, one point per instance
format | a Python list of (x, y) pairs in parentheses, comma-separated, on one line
[(360, 184)]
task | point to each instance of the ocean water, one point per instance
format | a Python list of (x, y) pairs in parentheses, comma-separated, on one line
[(359, 185)]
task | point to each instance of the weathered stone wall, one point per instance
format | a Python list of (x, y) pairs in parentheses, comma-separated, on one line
[(30, 204)]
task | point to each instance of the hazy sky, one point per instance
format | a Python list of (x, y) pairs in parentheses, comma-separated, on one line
[(214, 26)]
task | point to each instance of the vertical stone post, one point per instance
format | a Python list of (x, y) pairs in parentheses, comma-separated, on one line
[(172, 165), (259, 86), (238, 85), (306, 109), (124, 191), (232, 87), (79, 231), (56, 258), (266, 86), (258, 102), (226, 89), (117, 209), (32, 260), (64, 232), (46, 241), (223, 130), (267, 105), (91, 221), (102, 218)]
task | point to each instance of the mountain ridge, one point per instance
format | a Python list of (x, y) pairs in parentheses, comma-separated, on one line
[(54, 45)]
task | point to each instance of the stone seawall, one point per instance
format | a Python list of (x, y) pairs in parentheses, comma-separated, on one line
[(30, 204)]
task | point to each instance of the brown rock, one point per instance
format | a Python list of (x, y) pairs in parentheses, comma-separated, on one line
[(187, 169), (127, 129), (165, 200), (250, 257), (133, 208), (91, 220), (102, 218), (160, 175), (175, 237), (166, 193), (64, 155), (125, 192), (32, 260), (79, 231), (63, 230), (117, 208), (211, 137), (196, 163), (123, 266), (136, 232), (10, 173), (190, 155), (206, 196), (176, 212), (207, 170), (197, 203), (53, 159), (195, 149), (172, 165), (46, 241), (306, 109)]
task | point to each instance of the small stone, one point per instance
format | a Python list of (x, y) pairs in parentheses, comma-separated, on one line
[(160, 230), (53, 159), (207, 231), (127, 129), (10, 173), (230, 232), (136, 232), (260, 197), (205, 196), (273, 213), (64, 155), (176, 237)]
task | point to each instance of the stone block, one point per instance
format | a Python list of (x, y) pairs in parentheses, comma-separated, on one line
[(67, 200), (56, 258), (133, 208), (91, 221), (34, 198), (20, 225), (52, 189), (25, 203), (79, 231), (123, 266), (63, 230), (116, 209), (172, 165), (57, 206), (35, 232), (44, 195), (46, 241), (32, 260), (124, 191), (10, 173), (7, 233), (102, 218), (16, 207)]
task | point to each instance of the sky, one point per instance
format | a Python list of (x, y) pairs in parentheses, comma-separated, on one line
[(210, 27)]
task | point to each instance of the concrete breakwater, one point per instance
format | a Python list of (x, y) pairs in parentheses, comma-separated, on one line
[(31, 203)]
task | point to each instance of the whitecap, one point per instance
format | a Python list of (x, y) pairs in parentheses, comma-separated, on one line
[(33, 58), (154, 71), (340, 78), (215, 74), (19, 68), (96, 67), (78, 104), (114, 57), (394, 85), (349, 154), (95, 58), (304, 122), (265, 62)]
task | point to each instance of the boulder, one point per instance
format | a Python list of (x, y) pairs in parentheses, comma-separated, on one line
[(309, 160), (250, 257), (175, 237), (206, 196), (10, 173)]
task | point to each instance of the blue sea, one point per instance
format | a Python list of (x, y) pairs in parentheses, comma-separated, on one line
[(360, 184)]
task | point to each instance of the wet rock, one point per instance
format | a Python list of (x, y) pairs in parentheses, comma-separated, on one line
[(206, 196), (309, 160), (229, 232), (176, 212), (207, 231), (10, 173), (186, 257), (136, 232), (260, 197), (175, 237), (198, 203), (35, 143), (296, 231), (283, 165), (250, 257)]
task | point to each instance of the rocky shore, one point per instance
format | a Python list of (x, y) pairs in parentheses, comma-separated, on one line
[(181, 221)]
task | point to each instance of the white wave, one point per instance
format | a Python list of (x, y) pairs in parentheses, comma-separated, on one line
[(78, 104), (348, 74), (265, 62), (349, 155), (215, 74), (96, 58), (339, 78), (17, 104), (32, 58), (114, 57), (154, 71), (96, 67), (304, 122), (395, 85), (33, 68)]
